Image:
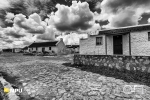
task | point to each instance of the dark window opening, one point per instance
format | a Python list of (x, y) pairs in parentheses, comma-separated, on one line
[(148, 36), (49, 48), (98, 40)]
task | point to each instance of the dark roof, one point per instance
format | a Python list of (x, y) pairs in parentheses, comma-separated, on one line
[(44, 44), (125, 30), (25, 48), (72, 46)]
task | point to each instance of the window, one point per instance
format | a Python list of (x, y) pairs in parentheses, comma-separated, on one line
[(49, 48), (98, 40), (36, 48), (148, 36)]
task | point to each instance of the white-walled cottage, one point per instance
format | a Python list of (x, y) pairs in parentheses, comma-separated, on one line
[(57, 47), (16, 50), (134, 40)]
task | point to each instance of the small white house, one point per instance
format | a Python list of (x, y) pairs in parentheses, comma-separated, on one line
[(134, 40), (16, 50), (57, 47)]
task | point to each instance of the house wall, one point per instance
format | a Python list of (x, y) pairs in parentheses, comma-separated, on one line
[(125, 40), (16, 50), (61, 47), (88, 46), (140, 44), (109, 45), (47, 49)]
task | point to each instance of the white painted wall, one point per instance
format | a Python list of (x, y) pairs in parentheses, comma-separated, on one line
[(47, 49), (109, 45), (140, 45), (57, 49), (61, 47), (125, 40), (88, 46)]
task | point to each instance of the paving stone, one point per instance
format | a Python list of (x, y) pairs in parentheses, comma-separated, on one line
[(63, 83), (93, 93)]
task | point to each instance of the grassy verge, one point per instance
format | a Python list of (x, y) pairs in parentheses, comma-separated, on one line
[(128, 76)]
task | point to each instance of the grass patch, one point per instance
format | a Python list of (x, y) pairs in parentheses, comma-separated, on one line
[(128, 76)]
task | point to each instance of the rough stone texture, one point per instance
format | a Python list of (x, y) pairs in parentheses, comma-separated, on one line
[(46, 78), (131, 63)]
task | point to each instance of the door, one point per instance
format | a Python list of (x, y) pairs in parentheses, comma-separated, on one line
[(117, 44), (43, 49)]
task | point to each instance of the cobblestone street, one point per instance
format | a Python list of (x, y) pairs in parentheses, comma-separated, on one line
[(45, 78)]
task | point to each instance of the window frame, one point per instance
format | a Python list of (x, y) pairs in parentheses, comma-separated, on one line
[(100, 41)]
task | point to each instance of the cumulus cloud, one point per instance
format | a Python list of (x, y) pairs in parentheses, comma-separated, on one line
[(27, 29), (113, 6), (77, 16), (72, 39), (4, 4), (13, 32), (48, 35), (122, 13), (9, 17), (32, 25)]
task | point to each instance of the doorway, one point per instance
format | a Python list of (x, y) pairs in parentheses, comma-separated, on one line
[(117, 44), (43, 49)]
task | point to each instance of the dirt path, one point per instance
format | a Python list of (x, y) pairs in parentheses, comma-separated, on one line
[(45, 78)]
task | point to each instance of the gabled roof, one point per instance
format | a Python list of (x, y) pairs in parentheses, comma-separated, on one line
[(124, 30), (25, 48), (43, 44)]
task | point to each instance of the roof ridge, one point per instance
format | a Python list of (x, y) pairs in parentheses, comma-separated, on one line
[(126, 27)]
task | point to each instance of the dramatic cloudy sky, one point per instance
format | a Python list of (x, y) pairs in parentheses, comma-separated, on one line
[(24, 21)]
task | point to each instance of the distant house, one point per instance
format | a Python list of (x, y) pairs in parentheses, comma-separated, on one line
[(73, 48), (133, 40), (25, 49), (16, 50), (57, 47), (7, 50)]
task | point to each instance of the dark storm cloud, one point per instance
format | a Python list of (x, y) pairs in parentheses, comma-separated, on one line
[(116, 5), (74, 26), (8, 41), (144, 18)]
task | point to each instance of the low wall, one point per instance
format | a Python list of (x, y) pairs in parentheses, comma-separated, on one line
[(130, 63)]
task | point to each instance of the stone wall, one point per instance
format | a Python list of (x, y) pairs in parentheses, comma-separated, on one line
[(130, 63)]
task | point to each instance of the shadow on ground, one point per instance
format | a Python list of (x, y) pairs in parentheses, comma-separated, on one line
[(127, 76)]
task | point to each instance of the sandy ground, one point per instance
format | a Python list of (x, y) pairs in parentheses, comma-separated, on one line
[(46, 78)]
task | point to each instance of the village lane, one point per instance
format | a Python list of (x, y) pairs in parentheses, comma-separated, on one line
[(45, 78)]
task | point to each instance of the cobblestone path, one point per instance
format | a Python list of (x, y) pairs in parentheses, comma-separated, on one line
[(47, 79)]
